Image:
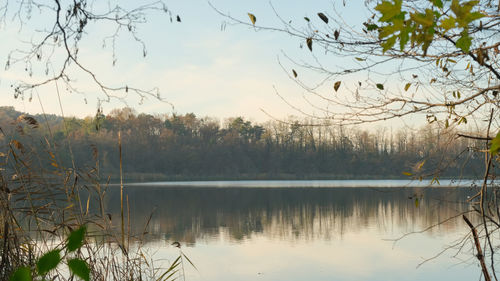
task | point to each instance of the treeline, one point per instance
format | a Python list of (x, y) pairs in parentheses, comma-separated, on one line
[(188, 147)]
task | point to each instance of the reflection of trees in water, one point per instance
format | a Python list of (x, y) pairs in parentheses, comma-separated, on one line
[(187, 214)]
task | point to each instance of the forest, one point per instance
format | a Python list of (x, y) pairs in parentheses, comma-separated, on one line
[(187, 147)]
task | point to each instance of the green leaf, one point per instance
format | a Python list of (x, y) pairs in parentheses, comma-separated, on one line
[(426, 20), (474, 16), (307, 19), (455, 7), (416, 202), (75, 239), (360, 59), (407, 86), (389, 10), (371, 27), (309, 43), (495, 145), (252, 17), (380, 86), (389, 43), (21, 274), (336, 86), (390, 29), (438, 3), (407, 174), (404, 37), (464, 42), (448, 23), (48, 262), (79, 268)]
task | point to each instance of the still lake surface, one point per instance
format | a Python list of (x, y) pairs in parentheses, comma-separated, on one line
[(305, 230)]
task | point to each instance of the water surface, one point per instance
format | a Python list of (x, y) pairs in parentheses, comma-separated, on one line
[(270, 231)]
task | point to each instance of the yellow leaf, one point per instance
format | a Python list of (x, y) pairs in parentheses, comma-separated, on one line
[(252, 17), (407, 174), (420, 165)]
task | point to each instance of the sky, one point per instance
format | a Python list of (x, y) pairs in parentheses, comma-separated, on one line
[(204, 64)]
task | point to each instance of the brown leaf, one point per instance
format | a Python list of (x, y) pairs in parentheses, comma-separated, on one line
[(323, 17), (336, 86), (294, 73), (309, 42)]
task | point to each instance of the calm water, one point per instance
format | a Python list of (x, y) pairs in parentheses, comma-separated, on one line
[(270, 231)]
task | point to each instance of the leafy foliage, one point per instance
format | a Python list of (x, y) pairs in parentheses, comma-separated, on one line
[(79, 268), (420, 28), (48, 262), (495, 145), (75, 239), (51, 260), (22, 274)]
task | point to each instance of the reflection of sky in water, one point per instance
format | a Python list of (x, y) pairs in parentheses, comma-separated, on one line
[(304, 234)]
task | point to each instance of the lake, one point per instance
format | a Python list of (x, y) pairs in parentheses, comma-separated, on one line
[(304, 230)]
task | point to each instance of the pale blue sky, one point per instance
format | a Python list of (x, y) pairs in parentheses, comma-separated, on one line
[(197, 66)]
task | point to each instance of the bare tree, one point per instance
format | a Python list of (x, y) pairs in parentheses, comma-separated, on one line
[(60, 28)]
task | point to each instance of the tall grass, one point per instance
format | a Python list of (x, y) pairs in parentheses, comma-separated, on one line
[(41, 202)]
